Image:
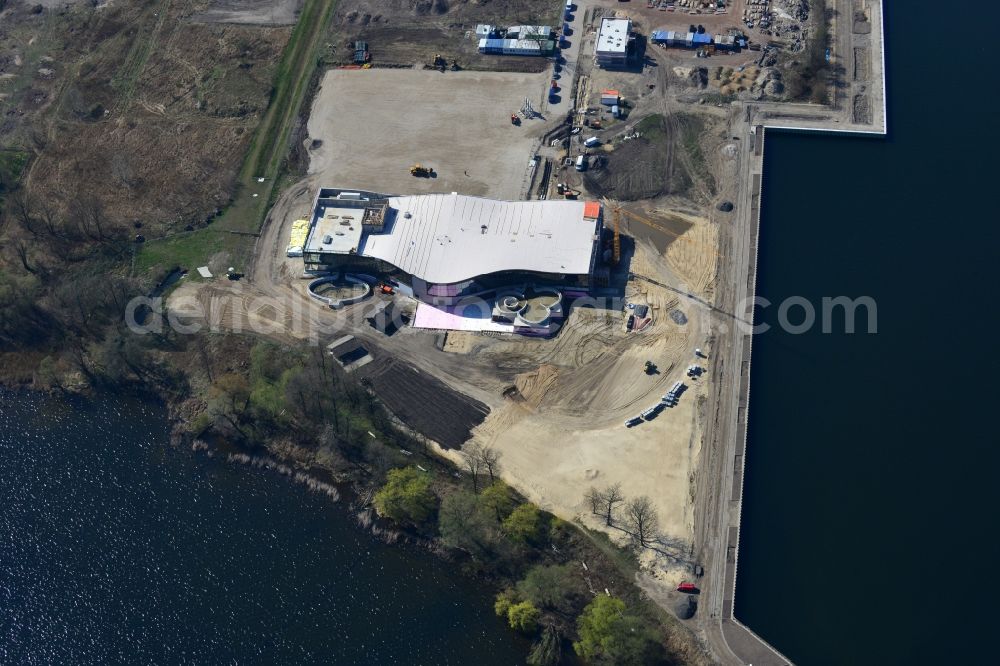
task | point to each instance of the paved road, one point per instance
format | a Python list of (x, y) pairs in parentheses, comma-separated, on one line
[(571, 56)]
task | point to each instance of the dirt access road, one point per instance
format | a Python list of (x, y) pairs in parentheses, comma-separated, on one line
[(252, 12), (372, 125)]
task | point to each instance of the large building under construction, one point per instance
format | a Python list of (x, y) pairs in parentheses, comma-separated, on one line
[(444, 247)]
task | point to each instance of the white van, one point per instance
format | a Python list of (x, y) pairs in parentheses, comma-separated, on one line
[(592, 141), (581, 163)]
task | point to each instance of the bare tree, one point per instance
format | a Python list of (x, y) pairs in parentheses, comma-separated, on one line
[(231, 402), (21, 208), (21, 248), (611, 497), (490, 459), (473, 454), (594, 498), (50, 220), (642, 519)]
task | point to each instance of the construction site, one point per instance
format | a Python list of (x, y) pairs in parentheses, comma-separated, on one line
[(640, 384)]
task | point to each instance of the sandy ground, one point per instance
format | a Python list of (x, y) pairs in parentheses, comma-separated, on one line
[(568, 434), (374, 124)]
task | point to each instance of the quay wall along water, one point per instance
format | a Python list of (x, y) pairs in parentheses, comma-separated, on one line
[(740, 468)]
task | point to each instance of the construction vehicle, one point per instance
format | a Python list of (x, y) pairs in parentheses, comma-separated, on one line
[(386, 289), (567, 191), (515, 119), (439, 63), (421, 171), (650, 368)]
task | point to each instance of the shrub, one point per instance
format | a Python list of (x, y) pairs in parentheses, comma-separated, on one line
[(504, 601), (547, 650), (524, 617)]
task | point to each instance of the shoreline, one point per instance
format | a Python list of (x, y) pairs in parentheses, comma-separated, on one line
[(134, 438), (725, 630)]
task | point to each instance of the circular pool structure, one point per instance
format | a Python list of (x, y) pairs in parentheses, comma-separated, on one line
[(511, 303), (338, 291), (539, 305), (534, 306)]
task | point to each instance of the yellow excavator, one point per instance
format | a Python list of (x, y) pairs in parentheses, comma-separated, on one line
[(421, 171)]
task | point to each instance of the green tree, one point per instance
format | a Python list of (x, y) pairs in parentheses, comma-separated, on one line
[(609, 635), (464, 525), (558, 587), (497, 498), (406, 496), (524, 617), (525, 524)]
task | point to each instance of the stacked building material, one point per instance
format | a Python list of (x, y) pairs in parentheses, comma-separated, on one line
[(297, 239)]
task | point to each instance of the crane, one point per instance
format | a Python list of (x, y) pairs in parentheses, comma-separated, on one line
[(649, 223), (618, 238)]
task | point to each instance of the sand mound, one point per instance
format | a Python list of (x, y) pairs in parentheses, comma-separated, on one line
[(534, 385)]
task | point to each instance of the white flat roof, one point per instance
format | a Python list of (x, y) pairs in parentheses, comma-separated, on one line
[(450, 238), (342, 225), (613, 35)]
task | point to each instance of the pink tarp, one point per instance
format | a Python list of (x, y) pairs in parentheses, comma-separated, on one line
[(441, 318)]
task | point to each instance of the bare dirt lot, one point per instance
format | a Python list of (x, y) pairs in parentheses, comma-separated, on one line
[(374, 124)]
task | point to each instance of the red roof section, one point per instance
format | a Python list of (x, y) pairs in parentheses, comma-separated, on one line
[(592, 209)]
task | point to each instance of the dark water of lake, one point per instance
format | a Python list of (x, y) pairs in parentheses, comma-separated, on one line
[(117, 548), (869, 533)]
